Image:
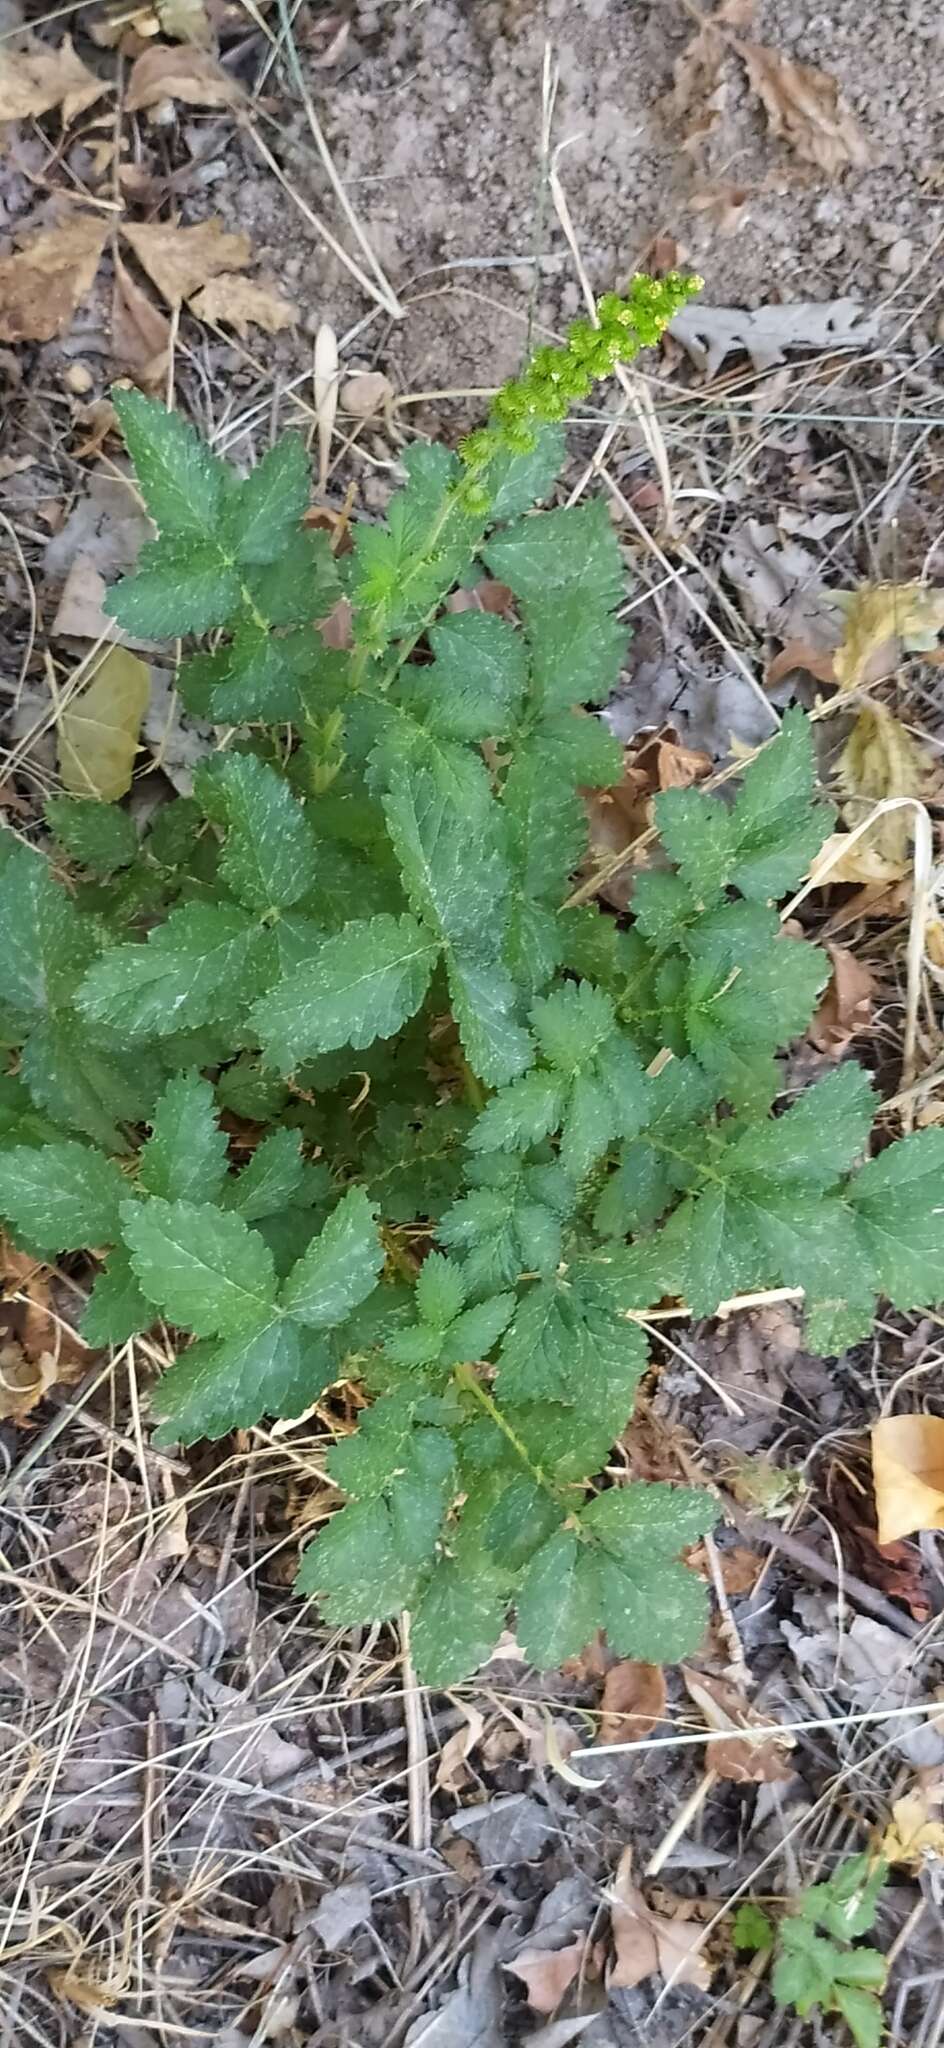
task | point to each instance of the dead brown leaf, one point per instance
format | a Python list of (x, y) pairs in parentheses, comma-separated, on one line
[(99, 420), (634, 1701), (140, 332), (844, 859), (180, 73), (486, 596), (845, 1007), (619, 816), (908, 1473), (650, 1944), (43, 283), (549, 1973), (89, 1994), (817, 661), (238, 302), (698, 85), (35, 79), (804, 107), (41, 1352), (746, 1759), (179, 260)]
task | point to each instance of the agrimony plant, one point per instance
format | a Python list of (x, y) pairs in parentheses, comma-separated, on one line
[(477, 1133)]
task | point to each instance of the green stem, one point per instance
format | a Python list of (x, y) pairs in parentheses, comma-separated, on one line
[(465, 1376)]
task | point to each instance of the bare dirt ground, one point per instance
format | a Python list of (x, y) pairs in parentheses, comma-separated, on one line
[(221, 1823)]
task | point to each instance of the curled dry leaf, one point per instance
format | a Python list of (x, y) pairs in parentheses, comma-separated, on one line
[(698, 86), (230, 301), (35, 79), (453, 1773), (619, 816), (912, 1837), (43, 283), (816, 661), (100, 729), (723, 205), (650, 1944), (804, 107), (880, 619), (880, 759), (634, 1701), (40, 1352), (180, 260), (140, 332), (745, 1758), (549, 1973), (908, 1474), (845, 1008), (182, 73)]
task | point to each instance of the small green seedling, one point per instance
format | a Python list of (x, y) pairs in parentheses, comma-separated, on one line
[(818, 1962), (325, 1069)]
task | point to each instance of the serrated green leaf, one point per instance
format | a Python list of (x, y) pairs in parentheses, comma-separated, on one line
[(516, 482), (262, 511), (269, 859), (179, 586), (340, 1267), (456, 1624), (563, 1339), (509, 1222), (658, 1615), (116, 1308), (272, 1179), (520, 1522), (361, 984), (764, 842), (649, 1519), (355, 1568), (485, 1003), (519, 1115), (97, 836), (198, 967), (441, 1291), (736, 1014), (547, 824), (474, 1334), (87, 1086), (62, 1196), (475, 686), (257, 675), (200, 1265), (565, 567), (558, 1603), (862, 2013), (820, 1136), (20, 1124), (300, 586), (275, 1369), (898, 1205), (184, 1158), (181, 481), (44, 945)]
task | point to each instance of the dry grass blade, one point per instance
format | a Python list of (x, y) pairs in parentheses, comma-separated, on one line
[(326, 376)]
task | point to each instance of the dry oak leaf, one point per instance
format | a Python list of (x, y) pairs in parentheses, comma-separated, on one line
[(35, 79), (805, 108), (650, 1944), (845, 1007), (185, 21), (908, 1474), (44, 282), (229, 301), (878, 619), (140, 332), (633, 1703), (180, 73), (911, 1838), (180, 260), (745, 1758)]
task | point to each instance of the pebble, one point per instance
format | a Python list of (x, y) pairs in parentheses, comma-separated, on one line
[(900, 256), (78, 379), (884, 231)]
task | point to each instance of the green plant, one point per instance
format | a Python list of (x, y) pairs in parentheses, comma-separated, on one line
[(816, 1961), (475, 1134)]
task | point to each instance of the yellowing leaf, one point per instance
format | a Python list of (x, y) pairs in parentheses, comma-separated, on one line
[(908, 1474), (879, 617), (36, 78), (880, 759), (804, 107), (99, 731), (229, 301), (41, 286), (181, 73), (911, 1838), (185, 21), (180, 260), (845, 859)]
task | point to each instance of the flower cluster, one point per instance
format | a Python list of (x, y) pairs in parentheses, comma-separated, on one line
[(555, 377)]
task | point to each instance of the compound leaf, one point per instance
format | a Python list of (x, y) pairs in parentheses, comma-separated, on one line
[(360, 984), (200, 1265)]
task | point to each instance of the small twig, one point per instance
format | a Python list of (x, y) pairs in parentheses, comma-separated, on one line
[(758, 1531), (682, 1822)]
